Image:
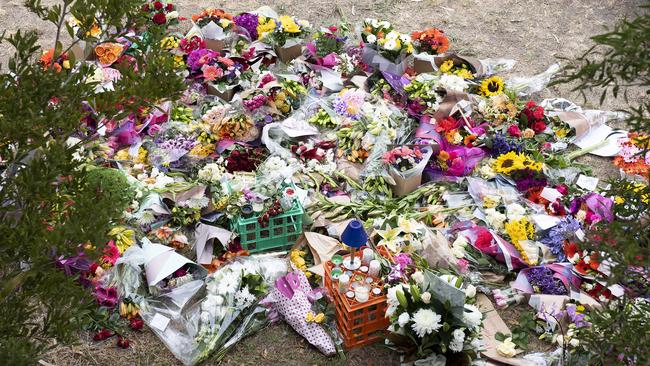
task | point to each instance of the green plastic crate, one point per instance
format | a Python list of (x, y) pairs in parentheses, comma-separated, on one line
[(281, 232)]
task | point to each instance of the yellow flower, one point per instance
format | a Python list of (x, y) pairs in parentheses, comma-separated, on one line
[(169, 43), (289, 25), (464, 73), (142, 156), (311, 317), (266, 25), (94, 31), (224, 23), (491, 86), (507, 163), (122, 155), (123, 237), (446, 66), (520, 230), (562, 132)]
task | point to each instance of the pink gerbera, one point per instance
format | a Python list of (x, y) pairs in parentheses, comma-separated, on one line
[(211, 72)]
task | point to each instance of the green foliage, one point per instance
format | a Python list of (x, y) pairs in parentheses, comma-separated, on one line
[(521, 331), (50, 205), (620, 60)]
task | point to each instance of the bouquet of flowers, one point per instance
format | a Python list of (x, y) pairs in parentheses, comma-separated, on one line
[(285, 33), (161, 12), (389, 43), (325, 47), (215, 26), (406, 167), (633, 157), (433, 319), (431, 40)]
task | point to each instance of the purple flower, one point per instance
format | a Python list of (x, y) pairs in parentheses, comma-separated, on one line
[(396, 273), (249, 22), (557, 235), (543, 282), (600, 205), (404, 260), (200, 57)]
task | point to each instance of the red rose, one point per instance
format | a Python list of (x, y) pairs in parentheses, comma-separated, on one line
[(157, 5), (333, 29), (136, 324), (170, 7), (539, 127), (484, 240), (530, 104), (514, 131), (145, 7), (539, 113), (160, 18)]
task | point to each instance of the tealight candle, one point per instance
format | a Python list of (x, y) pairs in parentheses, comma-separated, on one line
[(368, 255), (355, 285), (336, 273), (349, 294), (374, 267), (363, 269), (362, 293), (376, 291), (369, 280), (337, 259), (344, 283)]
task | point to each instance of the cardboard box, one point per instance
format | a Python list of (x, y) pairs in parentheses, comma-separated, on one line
[(226, 95), (215, 44), (422, 66)]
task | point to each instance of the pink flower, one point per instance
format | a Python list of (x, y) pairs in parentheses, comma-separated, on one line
[(211, 72), (226, 61), (463, 265)]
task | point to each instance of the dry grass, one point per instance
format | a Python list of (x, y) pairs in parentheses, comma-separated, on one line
[(534, 32)]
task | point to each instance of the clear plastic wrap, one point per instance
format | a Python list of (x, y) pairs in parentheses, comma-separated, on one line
[(524, 86)]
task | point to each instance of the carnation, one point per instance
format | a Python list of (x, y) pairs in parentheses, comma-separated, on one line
[(426, 321)]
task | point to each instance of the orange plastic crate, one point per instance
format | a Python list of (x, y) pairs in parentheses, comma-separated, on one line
[(359, 323)]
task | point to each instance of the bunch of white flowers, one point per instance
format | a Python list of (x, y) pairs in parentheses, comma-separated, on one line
[(211, 173)]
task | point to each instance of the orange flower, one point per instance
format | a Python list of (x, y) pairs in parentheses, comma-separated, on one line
[(443, 156), (108, 53), (469, 140)]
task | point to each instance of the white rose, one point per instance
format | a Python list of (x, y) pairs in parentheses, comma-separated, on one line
[(470, 291), (403, 319), (426, 297), (574, 342), (219, 300), (418, 277), (507, 348), (560, 340), (458, 251), (172, 15)]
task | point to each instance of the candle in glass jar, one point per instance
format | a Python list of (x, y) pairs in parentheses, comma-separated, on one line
[(344, 283), (362, 293), (374, 267), (376, 291), (368, 255)]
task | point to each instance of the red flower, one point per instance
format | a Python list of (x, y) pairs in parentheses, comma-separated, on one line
[(446, 124), (530, 104), (158, 5), (122, 342), (514, 131), (483, 239), (136, 324), (102, 334), (145, 7), (539, 127), (562, 188), (160, 18), (333, 28), (170, 7)]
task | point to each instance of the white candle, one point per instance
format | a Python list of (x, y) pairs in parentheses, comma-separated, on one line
[(368, 255), (362, 293), (374, 268), (344, 283)]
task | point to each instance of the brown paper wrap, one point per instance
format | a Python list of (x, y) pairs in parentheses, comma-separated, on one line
[(287, 54), (577, 121), (215, 44), (492, 325), (474, 64), (422, 66), (226, 95), (448, 103)]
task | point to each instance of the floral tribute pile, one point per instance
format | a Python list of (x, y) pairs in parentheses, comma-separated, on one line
[(454, 172)]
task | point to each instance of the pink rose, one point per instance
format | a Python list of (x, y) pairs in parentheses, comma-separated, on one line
[(514, 131)]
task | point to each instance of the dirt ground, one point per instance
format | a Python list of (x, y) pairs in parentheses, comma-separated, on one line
[(534, 32)]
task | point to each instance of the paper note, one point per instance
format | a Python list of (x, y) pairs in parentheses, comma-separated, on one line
[(550, 194), (159, 322), (588, 183), (545, 221)]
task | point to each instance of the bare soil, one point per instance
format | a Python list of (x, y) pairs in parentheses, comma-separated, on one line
[(536, 33)]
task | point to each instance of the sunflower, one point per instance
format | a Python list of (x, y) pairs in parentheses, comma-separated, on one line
[(491, 86), (507, 163)]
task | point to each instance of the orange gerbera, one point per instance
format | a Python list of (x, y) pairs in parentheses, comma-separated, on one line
[(212, 13), (431, 40), (108, 53), (47, 61)]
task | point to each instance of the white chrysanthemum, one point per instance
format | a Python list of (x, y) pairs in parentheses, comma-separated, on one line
[(244, 298), (472, 316), (453, 83), (228, 283), (146, 218), (403, 319), (426, 321), (486, 172), (456, 344), (495, 218), (211, 173), (371, 38), (515, 211)]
